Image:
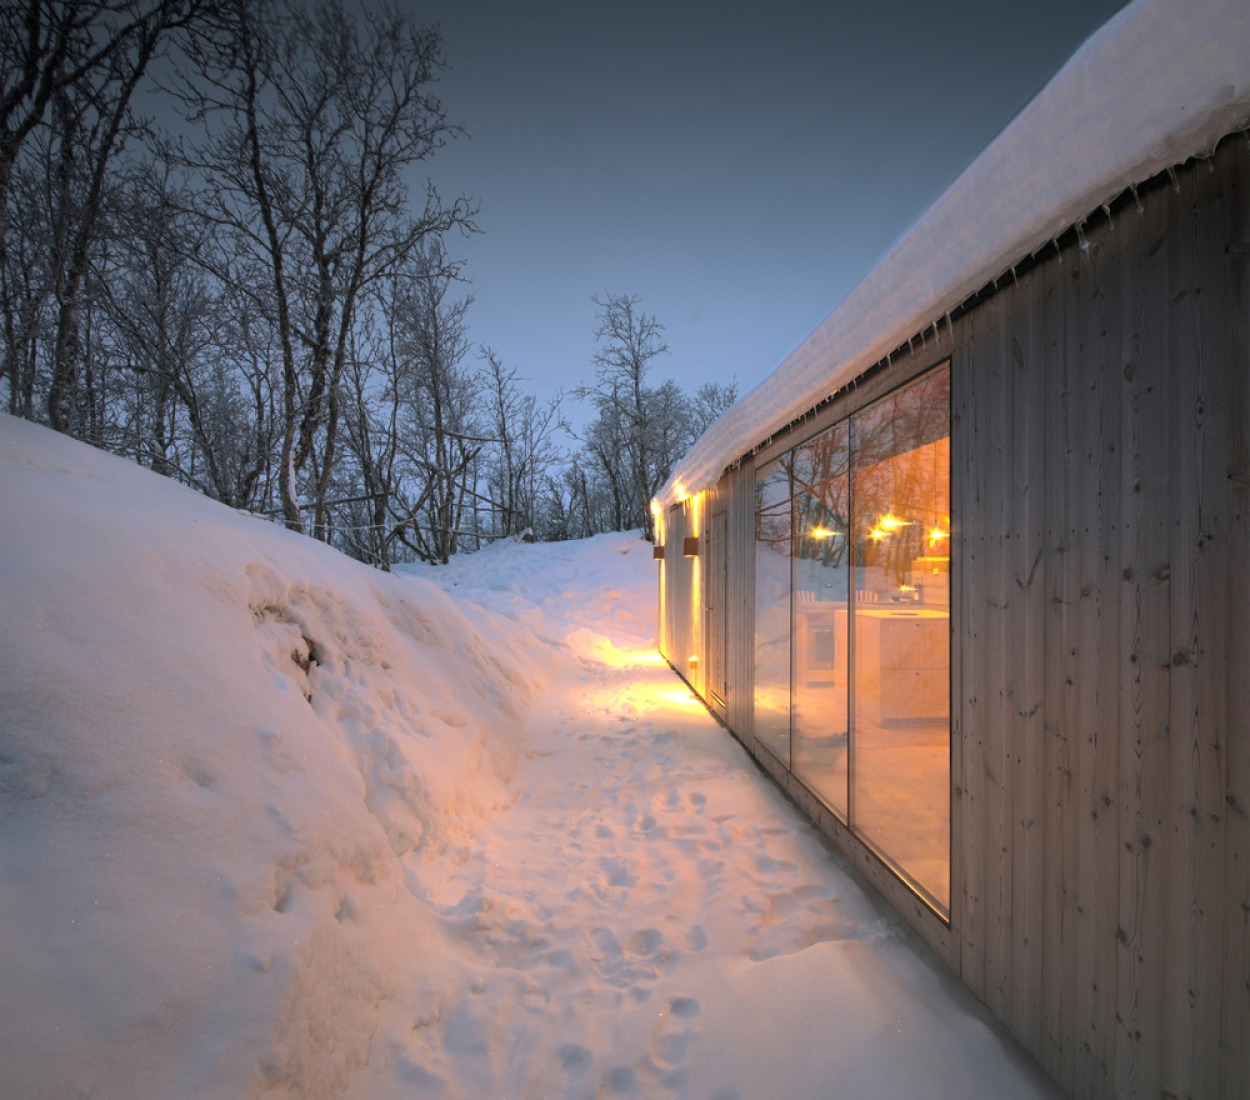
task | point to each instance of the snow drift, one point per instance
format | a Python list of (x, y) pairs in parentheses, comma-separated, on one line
[(223, 747)]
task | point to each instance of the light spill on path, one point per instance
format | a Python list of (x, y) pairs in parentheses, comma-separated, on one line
[(651, 917), (642, 862)]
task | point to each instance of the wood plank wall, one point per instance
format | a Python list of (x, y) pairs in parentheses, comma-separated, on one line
[(737, 490), (1101, 412)]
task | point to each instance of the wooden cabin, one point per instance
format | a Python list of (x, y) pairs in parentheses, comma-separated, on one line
[(969, 575)]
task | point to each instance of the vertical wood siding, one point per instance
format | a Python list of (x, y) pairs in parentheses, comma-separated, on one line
[(737, 489), (1101, 410), (682, 630)]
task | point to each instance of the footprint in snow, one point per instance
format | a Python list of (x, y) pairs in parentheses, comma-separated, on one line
[(674, 1034), (574, 1059), (619, 1081)]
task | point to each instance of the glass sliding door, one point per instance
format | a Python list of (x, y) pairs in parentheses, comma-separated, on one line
[(772, 608), (820, 581), (900, 631)]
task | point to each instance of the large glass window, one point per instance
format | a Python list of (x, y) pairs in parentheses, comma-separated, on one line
[(900, 649), (772, 609), (852, 596), (819, 683)]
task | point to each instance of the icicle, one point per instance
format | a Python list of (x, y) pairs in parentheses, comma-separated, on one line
[(1014, 280), (1055, 241), (1176, 184), (949, 326), (922, 339), (1083, 243), (910, 349), (1136, 198)]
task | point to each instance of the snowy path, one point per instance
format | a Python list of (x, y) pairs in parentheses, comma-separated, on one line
[(589, 905), (652, 918)]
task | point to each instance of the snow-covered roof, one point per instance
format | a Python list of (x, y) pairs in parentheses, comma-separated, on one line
[(1162, 81)]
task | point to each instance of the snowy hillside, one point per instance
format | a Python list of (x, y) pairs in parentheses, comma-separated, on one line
[(275, 824)]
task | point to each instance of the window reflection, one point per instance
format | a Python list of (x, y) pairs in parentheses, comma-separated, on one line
[(852, 624), (772, 609), (819, 684), (900, 777)]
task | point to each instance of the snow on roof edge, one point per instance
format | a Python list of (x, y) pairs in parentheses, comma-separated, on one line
[(1169, 78)]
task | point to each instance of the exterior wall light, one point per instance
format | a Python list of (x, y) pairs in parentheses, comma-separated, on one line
[(690, 546), (657, 551)]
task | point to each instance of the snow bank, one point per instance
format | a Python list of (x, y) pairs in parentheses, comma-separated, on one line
[(222, 749), (1163, 81)]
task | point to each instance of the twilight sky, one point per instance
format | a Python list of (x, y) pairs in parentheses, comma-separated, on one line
[(739, 166)]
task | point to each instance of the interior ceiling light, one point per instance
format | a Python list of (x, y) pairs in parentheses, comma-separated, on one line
[(891, 522)]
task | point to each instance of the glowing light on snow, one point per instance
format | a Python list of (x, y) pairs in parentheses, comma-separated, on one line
[(601, 650), (675, 696)]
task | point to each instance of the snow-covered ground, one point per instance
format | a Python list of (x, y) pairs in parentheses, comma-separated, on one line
[(275, 824)]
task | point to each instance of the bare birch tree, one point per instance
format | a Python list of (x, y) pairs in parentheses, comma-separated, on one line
[(70, 70), (311, 118), (629, 433)]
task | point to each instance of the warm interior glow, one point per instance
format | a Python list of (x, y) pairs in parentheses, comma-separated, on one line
[(852, 665), (891, 522)]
